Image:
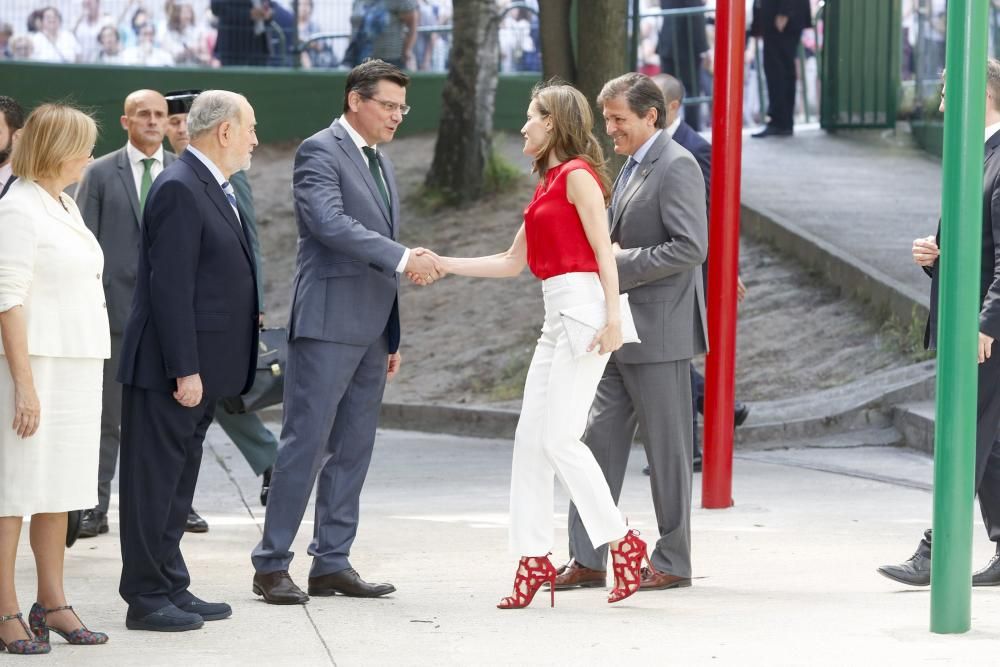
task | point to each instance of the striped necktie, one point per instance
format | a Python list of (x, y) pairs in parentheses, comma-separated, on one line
[(620, 185)]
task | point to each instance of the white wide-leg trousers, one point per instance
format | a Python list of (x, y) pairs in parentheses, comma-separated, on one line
[(558, 393)]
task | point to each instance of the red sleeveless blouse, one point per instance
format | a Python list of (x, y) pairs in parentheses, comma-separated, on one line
[(557, 243)]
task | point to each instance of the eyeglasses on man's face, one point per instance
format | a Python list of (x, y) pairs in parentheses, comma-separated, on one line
[(391, 107)]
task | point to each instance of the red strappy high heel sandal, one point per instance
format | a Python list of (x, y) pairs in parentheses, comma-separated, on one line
[(626, 562), (532, 572)]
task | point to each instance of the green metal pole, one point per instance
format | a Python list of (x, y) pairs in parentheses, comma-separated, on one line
[(958, 316)]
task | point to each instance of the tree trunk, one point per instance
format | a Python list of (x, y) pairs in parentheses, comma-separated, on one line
[(557, 44), (465, 133), (601, 34)]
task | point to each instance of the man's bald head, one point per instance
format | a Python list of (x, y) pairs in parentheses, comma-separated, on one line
[(673, 94), (145, 120), (143, 97)]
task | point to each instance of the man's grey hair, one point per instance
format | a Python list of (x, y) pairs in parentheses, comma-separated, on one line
[(211, 108)]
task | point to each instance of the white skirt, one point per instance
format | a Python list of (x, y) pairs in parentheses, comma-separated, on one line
[(55, 470)]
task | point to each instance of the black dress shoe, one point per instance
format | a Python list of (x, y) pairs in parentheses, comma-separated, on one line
[(209, 611), (265, 486), (771, 131), (347, 582), (740, 413), (278, 588), (73, 519), (989, 575), (93, 522), (166, 619), (914, 572), (195, 524)]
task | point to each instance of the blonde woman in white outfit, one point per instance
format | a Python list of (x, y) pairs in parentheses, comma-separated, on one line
[(54, 330), (565, 242)]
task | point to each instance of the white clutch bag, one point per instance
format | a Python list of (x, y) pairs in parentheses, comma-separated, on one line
[(583, 322)]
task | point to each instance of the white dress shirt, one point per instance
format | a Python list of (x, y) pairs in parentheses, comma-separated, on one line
[(991, 130), (135, 158), (216, 173), (5, 174), (360, 143), (672, 128)]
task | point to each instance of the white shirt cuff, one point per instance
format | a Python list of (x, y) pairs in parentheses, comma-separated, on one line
[(403, 262)]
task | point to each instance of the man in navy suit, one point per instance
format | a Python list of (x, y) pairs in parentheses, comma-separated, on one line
[(684, 134), (190, 339)]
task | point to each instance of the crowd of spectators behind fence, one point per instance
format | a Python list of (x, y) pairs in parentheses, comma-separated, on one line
[(194, 32)]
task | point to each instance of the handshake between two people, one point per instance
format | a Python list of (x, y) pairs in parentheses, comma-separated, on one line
[(424, 267)]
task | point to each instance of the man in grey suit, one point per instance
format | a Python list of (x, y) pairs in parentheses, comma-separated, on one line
[(111, 197), (660, 236), (343, 336)]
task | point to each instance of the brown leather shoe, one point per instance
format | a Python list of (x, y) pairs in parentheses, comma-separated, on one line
[(278, 588), (347, 582), (654, 580), (574, 575)]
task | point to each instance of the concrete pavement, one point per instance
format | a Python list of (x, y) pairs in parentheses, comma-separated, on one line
[(786, 577)]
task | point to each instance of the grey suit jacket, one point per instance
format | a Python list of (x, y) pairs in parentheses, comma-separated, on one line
[(109, 205), (661, 226), (345, 284)]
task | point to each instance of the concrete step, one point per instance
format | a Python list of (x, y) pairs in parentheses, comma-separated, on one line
[(859, 405), (915, 421)]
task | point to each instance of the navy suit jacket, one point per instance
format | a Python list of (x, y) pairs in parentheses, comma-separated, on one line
[(194, 309), (702, 151)]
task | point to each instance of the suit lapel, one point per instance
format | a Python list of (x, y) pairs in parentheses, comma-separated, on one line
[(639, 177), (354, 154), (128, 181), (214, 192)]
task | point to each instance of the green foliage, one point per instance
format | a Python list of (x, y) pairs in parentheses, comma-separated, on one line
[(500, 175), (907, 338)]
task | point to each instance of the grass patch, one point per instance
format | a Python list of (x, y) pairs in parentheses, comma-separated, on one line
[(906, 338), (500, 175)]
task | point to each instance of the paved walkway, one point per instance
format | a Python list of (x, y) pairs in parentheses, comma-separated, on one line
[(861, 196), (786, 577)]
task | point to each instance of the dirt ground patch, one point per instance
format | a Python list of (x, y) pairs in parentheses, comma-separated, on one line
[(469, 341)]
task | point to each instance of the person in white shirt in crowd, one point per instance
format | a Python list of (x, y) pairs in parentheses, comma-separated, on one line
[(183, 39), (146, 52), (21, 48), (110, 46), (88, 27), (52, 44), (317, 54)]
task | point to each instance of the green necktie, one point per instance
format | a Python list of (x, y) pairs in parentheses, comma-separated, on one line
[(147, 181), (377, 174)]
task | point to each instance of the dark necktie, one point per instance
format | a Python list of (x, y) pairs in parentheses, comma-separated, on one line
[(227, 189), (620, 185), (373, 167)]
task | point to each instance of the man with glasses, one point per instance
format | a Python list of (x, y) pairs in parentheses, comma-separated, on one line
[(343, 336)]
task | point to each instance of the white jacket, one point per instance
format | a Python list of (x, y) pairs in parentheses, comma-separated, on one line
[(51, 264)]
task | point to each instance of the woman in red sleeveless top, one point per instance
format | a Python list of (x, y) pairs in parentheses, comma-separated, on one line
[(565, 242)]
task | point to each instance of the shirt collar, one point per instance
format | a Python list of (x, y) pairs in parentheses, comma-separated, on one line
[(991, 130), (5, 174), (672, 128), (355, 137), (640, 154), (135, 155), (216, 172)]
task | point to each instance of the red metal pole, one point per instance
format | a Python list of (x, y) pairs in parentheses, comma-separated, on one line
[(723, 254)]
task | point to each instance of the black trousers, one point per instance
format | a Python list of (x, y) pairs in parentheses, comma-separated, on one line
[(780, 49), (987, 479), (158, 470)]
